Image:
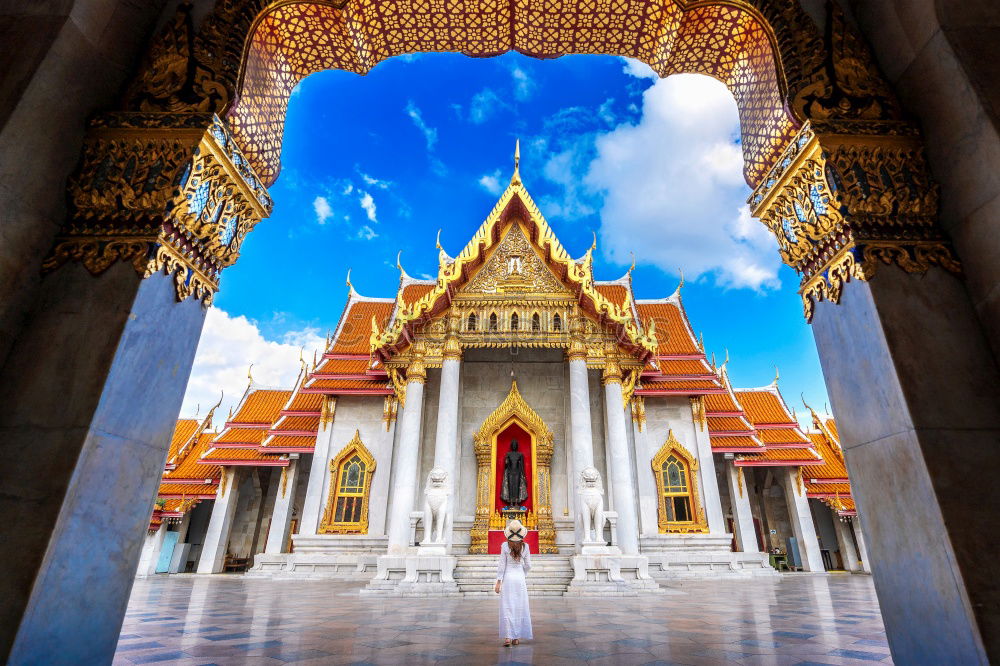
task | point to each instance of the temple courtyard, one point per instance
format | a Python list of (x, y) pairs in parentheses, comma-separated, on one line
[(220, 619)]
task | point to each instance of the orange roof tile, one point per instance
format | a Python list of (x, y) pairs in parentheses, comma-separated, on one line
[(672, 330), (735, 442), (182, 433), (842, 489), (185, 489), (615, 293), (290, 442), (289, 423), (721, 402), (782, 436), (242, 455), (792, 456), (414, 292), (355, 328), (262, 406), (679, 385), (333, 385), (305, 402), (684, 367), (831, 426), (189, 466), (764, 406), (833, 466), (337, 366), (247, 436), (728, 424)]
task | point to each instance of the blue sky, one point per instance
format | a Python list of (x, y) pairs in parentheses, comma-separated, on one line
[(378, 164)]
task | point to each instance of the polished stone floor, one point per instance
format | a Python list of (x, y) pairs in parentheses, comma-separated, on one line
[(792, 619)]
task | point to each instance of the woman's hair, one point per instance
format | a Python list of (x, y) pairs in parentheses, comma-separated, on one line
[(515, 548)]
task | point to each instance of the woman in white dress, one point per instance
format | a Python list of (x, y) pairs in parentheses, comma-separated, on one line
[(515, 562)]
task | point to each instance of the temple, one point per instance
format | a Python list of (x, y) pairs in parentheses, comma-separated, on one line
[(514, 385)]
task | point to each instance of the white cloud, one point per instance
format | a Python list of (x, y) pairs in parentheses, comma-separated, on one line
[(374, 182), (639, 69), (322, 208), (366, 233), (673, 182), (368, 203), (523, 85), (483, 105), (430, 133), (227, 348), (491, 182)]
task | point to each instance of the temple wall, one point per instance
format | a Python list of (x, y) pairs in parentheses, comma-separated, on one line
[(428, 432), (248, 505), (301, 483), (662, 415), (364, 414)]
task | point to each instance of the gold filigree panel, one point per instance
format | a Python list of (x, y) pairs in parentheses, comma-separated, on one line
[(698, 522), (514, 268), (343, 489)]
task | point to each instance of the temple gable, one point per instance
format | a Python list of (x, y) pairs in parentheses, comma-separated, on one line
[(514, 267)]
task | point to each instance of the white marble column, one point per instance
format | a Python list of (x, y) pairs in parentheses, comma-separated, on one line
[(312, 506), (581, 435), (862, 546), (710, 497), (213, 553), (151, 547), (801, 519), (845, 543), (739, 499), (446, 437), (281, 514), (407, 461), (620, 472)]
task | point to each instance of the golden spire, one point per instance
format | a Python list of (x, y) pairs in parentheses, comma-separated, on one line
[(516, 178), (250, 373), (777, 376)]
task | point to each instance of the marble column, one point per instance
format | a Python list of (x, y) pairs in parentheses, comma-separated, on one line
[(407, 460), (710, 497), (446, 436), (845, 543), (739, 499), (316, 489), (801, 518), (862, 545), (621, 473), (581, 435), (281, 513), (151, 547), (213, 552)]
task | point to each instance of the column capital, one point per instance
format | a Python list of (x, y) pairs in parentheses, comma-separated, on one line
[(161, 191), (847, 196), (612, 372)]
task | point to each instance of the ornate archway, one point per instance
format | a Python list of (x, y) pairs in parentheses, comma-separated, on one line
[(513, 414)]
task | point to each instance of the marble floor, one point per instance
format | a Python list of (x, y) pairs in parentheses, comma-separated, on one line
[(227, 619)]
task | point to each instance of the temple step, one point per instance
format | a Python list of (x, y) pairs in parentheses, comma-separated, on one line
[(550, 575)]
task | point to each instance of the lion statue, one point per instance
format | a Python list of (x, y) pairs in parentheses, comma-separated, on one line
[(591, 494), (437, 507)]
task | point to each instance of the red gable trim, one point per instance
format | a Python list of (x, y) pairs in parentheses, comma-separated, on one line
[(194, 482), (248, 426), (293, 433), (286, 449), (736, 414), (356, 377), (679, 357), (737, 449), (654, 392), (181, 497), (251, 463), (346, 357), (776, 463), (296, 412), (328, 391)]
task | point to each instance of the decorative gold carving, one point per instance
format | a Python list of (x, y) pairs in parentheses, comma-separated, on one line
[(389, 409), (284, 481), (639, 411), (699, 524), (740, 480), (416, 371), (847, 196), (698, 411), (168, 192), (513, 409), (327, 524), (328, 411), (222, 484), (799, 486), (513, 267)]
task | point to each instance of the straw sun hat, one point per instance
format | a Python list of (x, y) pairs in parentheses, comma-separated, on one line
[(515, 531)]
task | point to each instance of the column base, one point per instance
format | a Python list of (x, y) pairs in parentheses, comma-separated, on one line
[(599, 548), (414, 575), (614, 575)]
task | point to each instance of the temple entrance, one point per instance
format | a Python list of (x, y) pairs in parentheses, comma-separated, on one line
[(513, 421)]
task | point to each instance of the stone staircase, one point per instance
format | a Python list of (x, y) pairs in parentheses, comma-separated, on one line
[(549, 576)]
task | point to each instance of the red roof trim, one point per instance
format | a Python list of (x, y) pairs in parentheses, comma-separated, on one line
[(356, 376), (234, 445), (286, 449), (818, 480), (734, 414), (680, 357), (204, 481), (776, 463), (293, 433), (346, 357), (334, 391), (737, 449), (251, 463), (829, 495), (655, 392), (296, 412), (248, 426), (181, 496)]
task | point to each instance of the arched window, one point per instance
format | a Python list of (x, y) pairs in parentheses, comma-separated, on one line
[(350, 485), (514, 322), (536, 322), (676, 493), (557, 323), (676, 484), (472, 322), (493, 321)]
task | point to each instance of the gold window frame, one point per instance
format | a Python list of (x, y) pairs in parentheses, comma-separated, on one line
[(698, 524), (328, 525)]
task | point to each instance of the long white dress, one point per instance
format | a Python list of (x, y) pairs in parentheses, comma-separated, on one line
[(515, 617)]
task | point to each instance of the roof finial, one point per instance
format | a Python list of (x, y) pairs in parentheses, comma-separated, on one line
[(593, 246), (349, 285), (632, 267), (777, 376), (197, 410), (681, 283), (437, 243), (516, 178), (713, 361), (250, 373), (208, 418), (399, 255)]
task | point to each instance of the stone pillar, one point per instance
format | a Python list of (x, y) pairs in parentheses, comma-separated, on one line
[(739, 499), (845, 543), (581, 435), (862, 546), (621, 469), (213, 552), (151, 547), (446, 437), (316, 489), (801, 518), (281, 513), (710, 496), (407, 461)]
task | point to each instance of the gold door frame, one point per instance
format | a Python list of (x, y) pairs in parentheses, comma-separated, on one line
[(513, 410)]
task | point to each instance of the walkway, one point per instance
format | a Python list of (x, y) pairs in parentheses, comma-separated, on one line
[(794, 619)]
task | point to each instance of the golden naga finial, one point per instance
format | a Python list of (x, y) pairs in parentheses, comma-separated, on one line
[(777, 376), (315, 362), (211, 412), (680, 285), (632, 267), (593, 246), (701, 341), (197, 409), (349, 285), (713, 361), (437, 243), (250, 373)]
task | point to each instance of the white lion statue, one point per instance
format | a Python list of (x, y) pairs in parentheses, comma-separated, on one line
[(437, 507), (591, 493)]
